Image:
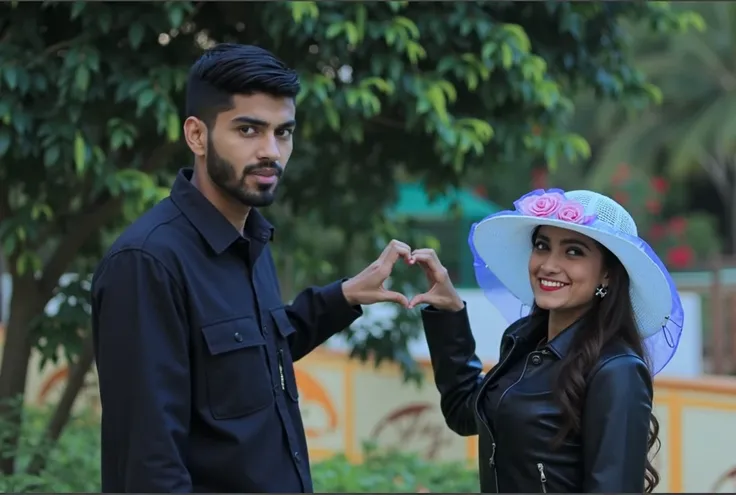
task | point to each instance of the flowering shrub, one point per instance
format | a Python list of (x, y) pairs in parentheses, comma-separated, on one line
[(680, 240)]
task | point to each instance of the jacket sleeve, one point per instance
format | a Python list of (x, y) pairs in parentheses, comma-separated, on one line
[(615, 426), (317, 314), (457, 370), (142, 353)]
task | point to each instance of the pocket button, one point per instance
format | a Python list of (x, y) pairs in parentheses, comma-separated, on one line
[(237, 337)]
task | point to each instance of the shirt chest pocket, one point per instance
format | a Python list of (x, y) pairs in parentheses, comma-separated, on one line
[(236, 368)]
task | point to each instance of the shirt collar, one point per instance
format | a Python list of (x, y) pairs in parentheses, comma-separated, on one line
[(535, 328), (209, 222)]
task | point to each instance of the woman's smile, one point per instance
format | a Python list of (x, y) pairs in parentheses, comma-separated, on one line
[(551, 285)]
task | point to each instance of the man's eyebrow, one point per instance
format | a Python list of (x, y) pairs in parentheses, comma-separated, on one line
[(262, 123)]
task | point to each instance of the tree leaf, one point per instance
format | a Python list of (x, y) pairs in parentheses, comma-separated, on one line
[(80, 154), (135, 35)]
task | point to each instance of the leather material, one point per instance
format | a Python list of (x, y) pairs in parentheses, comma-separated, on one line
[(609, 452)]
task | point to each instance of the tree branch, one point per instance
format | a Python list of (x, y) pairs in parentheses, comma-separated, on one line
[(716, 170), (74, 384), (91, 220)]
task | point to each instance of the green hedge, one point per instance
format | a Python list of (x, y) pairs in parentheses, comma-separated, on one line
[(74, 466)]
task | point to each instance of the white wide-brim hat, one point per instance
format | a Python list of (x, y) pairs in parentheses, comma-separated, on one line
[(502, 246)]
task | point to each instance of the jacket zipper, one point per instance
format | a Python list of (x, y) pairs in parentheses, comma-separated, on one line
[(542, 477), (281, 369), (486, 380)]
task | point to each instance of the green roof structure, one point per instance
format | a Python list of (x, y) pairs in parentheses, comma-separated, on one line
[(414, 202), (437, 217)]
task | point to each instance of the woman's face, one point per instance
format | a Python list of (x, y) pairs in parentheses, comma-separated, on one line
[(565, 269)]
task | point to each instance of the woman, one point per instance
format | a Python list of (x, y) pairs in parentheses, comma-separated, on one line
[(568, 408)]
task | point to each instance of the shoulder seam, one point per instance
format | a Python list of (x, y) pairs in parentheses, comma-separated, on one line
[(153, 257), (607, 360)]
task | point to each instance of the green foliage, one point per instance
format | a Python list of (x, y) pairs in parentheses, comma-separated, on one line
[(393, 472), (680, 239), (88, 107), (73, 465)]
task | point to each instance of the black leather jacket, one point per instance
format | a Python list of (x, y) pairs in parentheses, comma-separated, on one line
[(609, 453)]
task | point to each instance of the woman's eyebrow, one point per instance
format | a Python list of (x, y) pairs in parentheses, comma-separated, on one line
[(576, 242)]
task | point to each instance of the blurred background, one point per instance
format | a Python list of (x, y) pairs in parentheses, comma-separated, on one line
[(414, 122)]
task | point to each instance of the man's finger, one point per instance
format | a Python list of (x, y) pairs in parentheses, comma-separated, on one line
[(393, 251), (417, 300), (397, 297)]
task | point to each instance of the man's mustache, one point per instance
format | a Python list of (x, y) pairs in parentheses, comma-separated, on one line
[(275, 166)]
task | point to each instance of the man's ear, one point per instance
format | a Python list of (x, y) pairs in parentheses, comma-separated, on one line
[(195, 134)]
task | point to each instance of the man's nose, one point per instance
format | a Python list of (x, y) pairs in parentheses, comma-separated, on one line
[(269, 149)]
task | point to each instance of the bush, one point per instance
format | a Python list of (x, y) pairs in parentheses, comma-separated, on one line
[(393, 472), (73, 465)]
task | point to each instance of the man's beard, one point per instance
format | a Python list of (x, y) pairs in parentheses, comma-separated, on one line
[(222, 173)]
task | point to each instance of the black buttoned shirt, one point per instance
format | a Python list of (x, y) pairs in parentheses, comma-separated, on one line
[(195, 350)]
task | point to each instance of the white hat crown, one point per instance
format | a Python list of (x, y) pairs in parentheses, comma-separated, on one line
[(606, 210)]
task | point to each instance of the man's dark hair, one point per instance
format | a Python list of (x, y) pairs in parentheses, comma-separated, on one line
[(230, 69)]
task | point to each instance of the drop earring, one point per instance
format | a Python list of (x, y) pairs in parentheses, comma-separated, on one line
[(601, 291)]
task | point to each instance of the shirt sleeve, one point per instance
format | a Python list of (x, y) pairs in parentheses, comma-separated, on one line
[(317, 314), (615, 429), (142, 354)]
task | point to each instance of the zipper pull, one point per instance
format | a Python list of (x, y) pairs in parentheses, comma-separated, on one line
[(492, 459), (542, 476), (281, 369)]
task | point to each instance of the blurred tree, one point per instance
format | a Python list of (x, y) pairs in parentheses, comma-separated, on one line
[(691, 137), (90, 100)]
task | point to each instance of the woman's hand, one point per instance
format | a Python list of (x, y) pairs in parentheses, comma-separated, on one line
[(441, 294)]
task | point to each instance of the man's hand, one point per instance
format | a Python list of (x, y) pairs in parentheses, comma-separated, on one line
[(367, 286), (441, 294)]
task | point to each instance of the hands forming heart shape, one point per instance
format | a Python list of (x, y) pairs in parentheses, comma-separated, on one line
[(367, 286)]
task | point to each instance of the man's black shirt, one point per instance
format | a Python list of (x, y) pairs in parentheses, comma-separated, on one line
[(194, 350)]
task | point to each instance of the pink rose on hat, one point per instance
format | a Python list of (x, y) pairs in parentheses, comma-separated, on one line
[(540, 204), (572, 211)]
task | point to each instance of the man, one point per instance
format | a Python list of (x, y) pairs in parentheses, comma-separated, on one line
[(194, 345)]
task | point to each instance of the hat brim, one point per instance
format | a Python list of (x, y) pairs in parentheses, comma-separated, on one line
[(503, 242)]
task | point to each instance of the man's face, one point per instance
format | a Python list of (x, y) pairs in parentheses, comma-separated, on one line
[(249, 146)]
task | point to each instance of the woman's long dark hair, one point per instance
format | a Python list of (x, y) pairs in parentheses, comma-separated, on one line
[(609, 319)]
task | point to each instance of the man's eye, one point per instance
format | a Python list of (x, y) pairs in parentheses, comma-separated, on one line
[(285, 132), (248, 130)]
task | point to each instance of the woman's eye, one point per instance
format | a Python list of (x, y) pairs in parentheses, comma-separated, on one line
[(539, 246), (574, 252)]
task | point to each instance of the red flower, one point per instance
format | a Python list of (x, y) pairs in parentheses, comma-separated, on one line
[(622, 173), (678, 225), (621, 197), (653, 206), (680, 256), (657, 231), (660, 184), (481, 191)]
